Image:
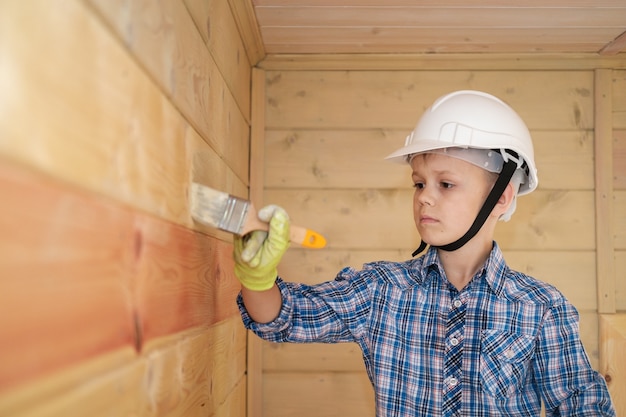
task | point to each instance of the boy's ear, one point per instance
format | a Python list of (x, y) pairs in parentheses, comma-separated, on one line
[(505, 200)]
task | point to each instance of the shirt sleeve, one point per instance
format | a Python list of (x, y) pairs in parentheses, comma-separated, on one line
[(569, 385), (334, 311)]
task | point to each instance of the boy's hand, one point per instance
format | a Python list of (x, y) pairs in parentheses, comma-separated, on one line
[(258, 253)]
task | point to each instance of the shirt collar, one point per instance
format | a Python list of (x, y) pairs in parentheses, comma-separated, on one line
[(494, 269)]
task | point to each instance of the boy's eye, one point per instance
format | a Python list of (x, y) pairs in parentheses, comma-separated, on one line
[(446, 184), (418, 185)]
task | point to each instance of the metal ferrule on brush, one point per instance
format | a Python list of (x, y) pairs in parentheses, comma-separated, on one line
[(234, 214)]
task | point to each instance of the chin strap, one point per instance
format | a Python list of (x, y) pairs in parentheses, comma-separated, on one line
[(490, 202)]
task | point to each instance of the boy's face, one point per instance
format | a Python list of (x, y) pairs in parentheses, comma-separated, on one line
[(449, 192)]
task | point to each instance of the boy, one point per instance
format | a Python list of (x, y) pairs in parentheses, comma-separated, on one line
[(454, 332)]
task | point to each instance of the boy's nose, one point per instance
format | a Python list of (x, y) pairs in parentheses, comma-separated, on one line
[(425, 196)]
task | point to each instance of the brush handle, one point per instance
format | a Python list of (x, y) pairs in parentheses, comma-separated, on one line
[(306, 237), (301, 235)]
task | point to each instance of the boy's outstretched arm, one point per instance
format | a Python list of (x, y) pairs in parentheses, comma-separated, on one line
[(257, 256)]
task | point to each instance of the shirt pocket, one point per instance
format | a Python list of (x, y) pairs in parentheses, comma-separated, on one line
[(504, 361)]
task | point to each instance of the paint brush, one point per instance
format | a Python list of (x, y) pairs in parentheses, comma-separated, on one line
[(236, 215)]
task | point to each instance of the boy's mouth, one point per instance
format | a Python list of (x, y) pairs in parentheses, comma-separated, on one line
[(427, 219)]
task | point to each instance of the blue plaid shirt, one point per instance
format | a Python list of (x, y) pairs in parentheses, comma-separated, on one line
[(520, 338)]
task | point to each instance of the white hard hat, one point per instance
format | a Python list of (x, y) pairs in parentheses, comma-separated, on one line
[(474, 119)]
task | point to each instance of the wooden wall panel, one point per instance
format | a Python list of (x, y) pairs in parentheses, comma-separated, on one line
[(620, 281), (123, 138), (72, 297), (396, 99), (619, 99), (113, 301), (619, 159), (56, 281), (326, 136), (620, 219), (195, 373), (216, 23), (619, 184), (164, 38), (332, 394), (354, 158), (613, 337)]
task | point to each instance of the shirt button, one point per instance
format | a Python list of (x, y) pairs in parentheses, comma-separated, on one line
[(453, 381), (454, 341), (457, 303)]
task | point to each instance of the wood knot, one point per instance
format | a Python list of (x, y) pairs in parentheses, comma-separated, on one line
[(138, 244)]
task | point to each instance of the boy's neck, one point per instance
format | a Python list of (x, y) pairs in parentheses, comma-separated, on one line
[(462, 264)]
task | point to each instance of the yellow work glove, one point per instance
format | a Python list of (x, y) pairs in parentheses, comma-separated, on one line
[(258, 253)]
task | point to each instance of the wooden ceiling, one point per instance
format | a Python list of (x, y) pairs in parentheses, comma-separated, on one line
[(441, 26)]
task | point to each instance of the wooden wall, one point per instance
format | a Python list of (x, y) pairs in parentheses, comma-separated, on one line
[(327, 131), (112, 301)]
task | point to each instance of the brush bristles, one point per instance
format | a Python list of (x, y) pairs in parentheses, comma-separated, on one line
[(217, 209), (207, 204)]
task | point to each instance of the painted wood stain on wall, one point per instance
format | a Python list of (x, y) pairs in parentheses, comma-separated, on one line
[(114, 302)]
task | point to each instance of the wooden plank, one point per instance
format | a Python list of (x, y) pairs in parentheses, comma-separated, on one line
[(306, 16), (554, 220), (404, 47), (196, 373), (332, 394), (313, 267), (619, 99), (440, 39), (618, 233), (413, 61), (613, 367), (550, 100), (164, 39), (620, 284), (257, 183), (619, 159), (217, 26), (450, 3), (235, 403), (312, 357), (436, 39), (589, 332), (374, 218), (245, 17), (128, 141), (571, 272), (182, 278), (336, 158), (604, 214), (57, 280), (141, 278)]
